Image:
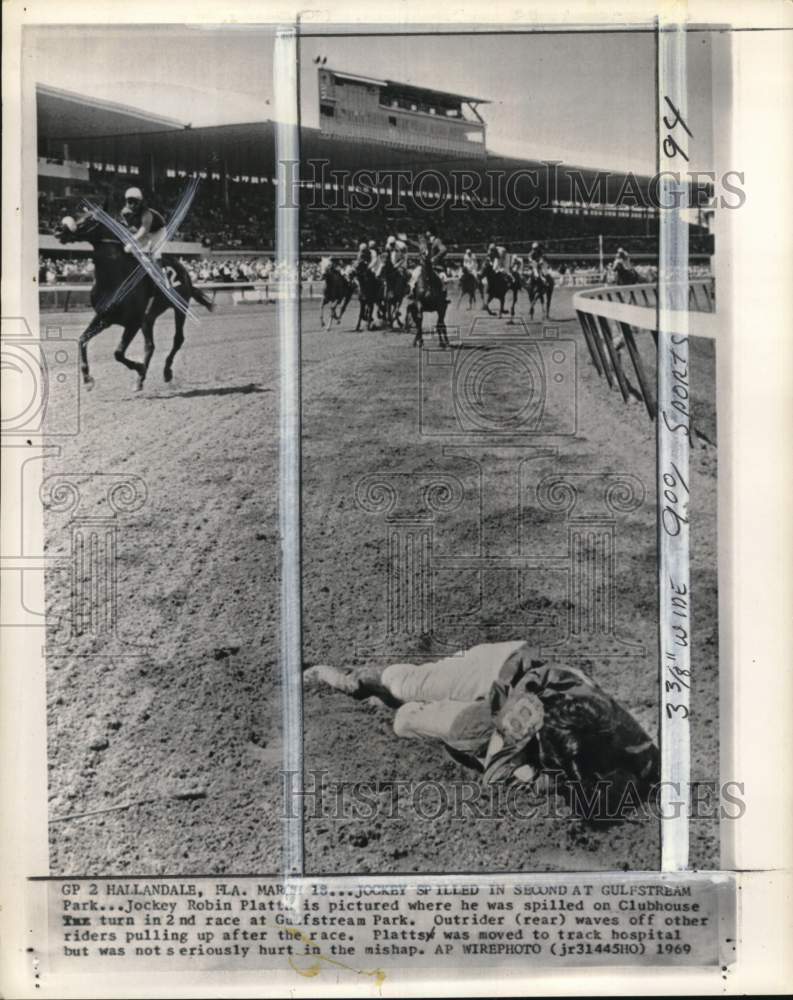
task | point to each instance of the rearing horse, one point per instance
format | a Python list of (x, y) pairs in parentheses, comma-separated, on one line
[(119, 299)]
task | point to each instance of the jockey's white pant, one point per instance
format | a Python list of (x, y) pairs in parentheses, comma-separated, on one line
[(154, 244), (447, 700), (414, 277)]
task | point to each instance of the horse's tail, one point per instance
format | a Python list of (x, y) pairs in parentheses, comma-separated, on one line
[(202, 298)]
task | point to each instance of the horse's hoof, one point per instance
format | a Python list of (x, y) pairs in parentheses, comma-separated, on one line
[(139, 386), (88, 382), (167, 375)]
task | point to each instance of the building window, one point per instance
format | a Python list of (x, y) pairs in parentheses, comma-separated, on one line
[(392, 120), (327, 110)]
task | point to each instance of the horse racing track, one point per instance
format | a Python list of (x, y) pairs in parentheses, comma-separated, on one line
[(165, 734)]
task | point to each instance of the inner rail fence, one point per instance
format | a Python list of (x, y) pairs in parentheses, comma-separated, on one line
[(614, 316)]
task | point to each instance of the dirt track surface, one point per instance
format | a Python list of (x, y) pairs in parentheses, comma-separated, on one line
[(194, 723), (167, 762), (361, 416)]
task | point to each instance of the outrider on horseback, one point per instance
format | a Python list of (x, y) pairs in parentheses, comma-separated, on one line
[(133, 283)]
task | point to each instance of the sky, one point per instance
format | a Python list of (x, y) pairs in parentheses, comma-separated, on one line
[(585, 98)]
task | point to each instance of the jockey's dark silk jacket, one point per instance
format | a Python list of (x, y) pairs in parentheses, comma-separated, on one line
[(586, 736), (133, 218)]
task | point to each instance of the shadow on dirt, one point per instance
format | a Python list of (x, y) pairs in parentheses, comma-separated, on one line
[(228, 390)]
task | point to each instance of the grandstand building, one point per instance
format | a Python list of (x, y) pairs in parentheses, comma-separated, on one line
[(95, 148), (399, 115)]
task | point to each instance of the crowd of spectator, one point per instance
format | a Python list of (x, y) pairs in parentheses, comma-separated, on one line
[(203, 270), (247, 221), (52, 270), (263, 269)]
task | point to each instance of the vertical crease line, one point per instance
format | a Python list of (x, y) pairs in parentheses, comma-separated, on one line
[(287, 139)]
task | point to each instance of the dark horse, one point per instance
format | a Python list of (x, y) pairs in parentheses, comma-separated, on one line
[(470, 284), (428, 295), (368, 295), (135, 308), (498, 284), (336, 293), (394, 284), (540, 289), (626, 275)]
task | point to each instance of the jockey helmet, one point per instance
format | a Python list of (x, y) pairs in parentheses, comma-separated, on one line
[(535, 245), (621, 253), (363, 245), (133, 194), (491, 247), (391, 241), (372, 244)]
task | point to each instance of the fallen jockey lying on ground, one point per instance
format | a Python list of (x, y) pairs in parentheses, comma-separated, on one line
[(513, 717)]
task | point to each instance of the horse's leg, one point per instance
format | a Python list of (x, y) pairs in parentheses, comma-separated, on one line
[(443, 338), (156, 307), (322, 313), (548, 304), (97, 325), (344, 303), (416, 314), (120, 353), (178, 340)]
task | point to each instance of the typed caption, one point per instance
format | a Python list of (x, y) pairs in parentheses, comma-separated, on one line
[(119, 924)]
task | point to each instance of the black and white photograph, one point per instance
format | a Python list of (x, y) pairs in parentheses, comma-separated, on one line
[(479, 450), (394, 489)]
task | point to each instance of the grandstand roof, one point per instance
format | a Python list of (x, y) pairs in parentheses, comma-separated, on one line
[(408, 88), (63, 114), (102, 131)]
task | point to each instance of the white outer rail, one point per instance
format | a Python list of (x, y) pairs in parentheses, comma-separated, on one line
[(609, 301)]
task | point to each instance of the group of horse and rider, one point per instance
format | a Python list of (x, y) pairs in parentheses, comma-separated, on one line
[(384, 278), (133, 285)]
